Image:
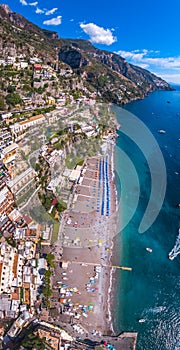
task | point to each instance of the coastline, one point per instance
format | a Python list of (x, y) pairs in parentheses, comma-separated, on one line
[(88, 250), (111, 282)]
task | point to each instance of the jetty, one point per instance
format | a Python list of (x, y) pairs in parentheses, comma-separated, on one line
[(84, 263)]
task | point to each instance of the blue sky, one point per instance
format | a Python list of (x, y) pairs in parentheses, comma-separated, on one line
[(145, 32)]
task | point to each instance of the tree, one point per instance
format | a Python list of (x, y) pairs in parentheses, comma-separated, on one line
[(10, 89), (13, 99), (32, 341), (1, 103), (50, 260)]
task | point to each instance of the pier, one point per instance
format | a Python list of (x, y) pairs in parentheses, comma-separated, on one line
[(83, 263)]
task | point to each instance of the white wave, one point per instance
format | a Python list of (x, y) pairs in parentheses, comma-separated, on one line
[(157, 309)]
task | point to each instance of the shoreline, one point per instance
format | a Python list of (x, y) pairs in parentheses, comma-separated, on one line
[(111, 284), (88, 250), (86, 294)]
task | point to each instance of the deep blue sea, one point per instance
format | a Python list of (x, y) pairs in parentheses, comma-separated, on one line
[(151, 291)]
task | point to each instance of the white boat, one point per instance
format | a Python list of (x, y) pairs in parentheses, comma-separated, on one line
[(176, 250), (149, 250), (141, 320), (161, 131)]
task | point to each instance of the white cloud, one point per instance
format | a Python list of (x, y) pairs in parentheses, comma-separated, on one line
[(39, 11), (23, 2), (135, 55), (143, 57), (33, 3), (98, 35), (50, 12), (143, 65), (167, 68), (53, 21), (171, 78)]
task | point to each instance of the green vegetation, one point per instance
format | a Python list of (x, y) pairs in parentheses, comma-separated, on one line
[(1, 103), (81, 162), (10, 241), (47, 198), (25, 195), (13, 99), (55, 232), (47, 292), (61, 206), (21, 294), (72, 161), (50, 260), (43, 110), (32, 341), (39, 214)]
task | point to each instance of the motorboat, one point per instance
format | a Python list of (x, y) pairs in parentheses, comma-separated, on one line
[(141, 320), (176, 250), (149, 250), (171, 256), (161, 131)]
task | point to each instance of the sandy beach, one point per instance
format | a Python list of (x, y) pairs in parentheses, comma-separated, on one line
[(83, 275)]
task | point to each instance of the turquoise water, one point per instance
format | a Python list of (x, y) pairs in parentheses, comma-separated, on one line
[(152, 290)]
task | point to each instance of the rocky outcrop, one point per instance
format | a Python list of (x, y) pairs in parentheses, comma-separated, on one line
[(75, 59)]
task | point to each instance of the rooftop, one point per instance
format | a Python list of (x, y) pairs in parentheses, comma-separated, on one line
[(36, 117), (10, 148)]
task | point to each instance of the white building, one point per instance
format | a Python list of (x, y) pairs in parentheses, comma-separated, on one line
[(11, 265), (21, 127)]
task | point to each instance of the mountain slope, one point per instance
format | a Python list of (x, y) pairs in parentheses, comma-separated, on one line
[(100, 71)]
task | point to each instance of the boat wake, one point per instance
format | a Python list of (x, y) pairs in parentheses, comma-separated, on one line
[(156, 309), (176, 250)]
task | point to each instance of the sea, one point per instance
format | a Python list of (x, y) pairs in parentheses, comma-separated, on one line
[(151, 291)]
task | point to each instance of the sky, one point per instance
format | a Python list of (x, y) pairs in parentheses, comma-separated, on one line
[(145, 32)]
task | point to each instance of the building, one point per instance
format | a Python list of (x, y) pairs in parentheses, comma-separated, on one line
[(9, 153), (11, 265), (55, 337), (37, 68), (5, 138), (16, 217), (10, 60), (5, 306), (5, 116), (6, 225), (18, 129), (51, 118), (6, 201), (75, 173), (50, 101), (4, 175), (19, 324), (21, 182)]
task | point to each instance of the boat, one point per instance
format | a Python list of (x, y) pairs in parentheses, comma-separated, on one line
[(149, 250), (176, 250), (161, 131), (141, 320)]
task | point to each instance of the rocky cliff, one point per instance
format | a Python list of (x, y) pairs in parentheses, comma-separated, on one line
[(103, 72)]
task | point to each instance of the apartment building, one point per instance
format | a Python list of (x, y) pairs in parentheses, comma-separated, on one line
[(5, 138), (11, 267), (21, 182), (8, 154), (6, 200), (18, 129)]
